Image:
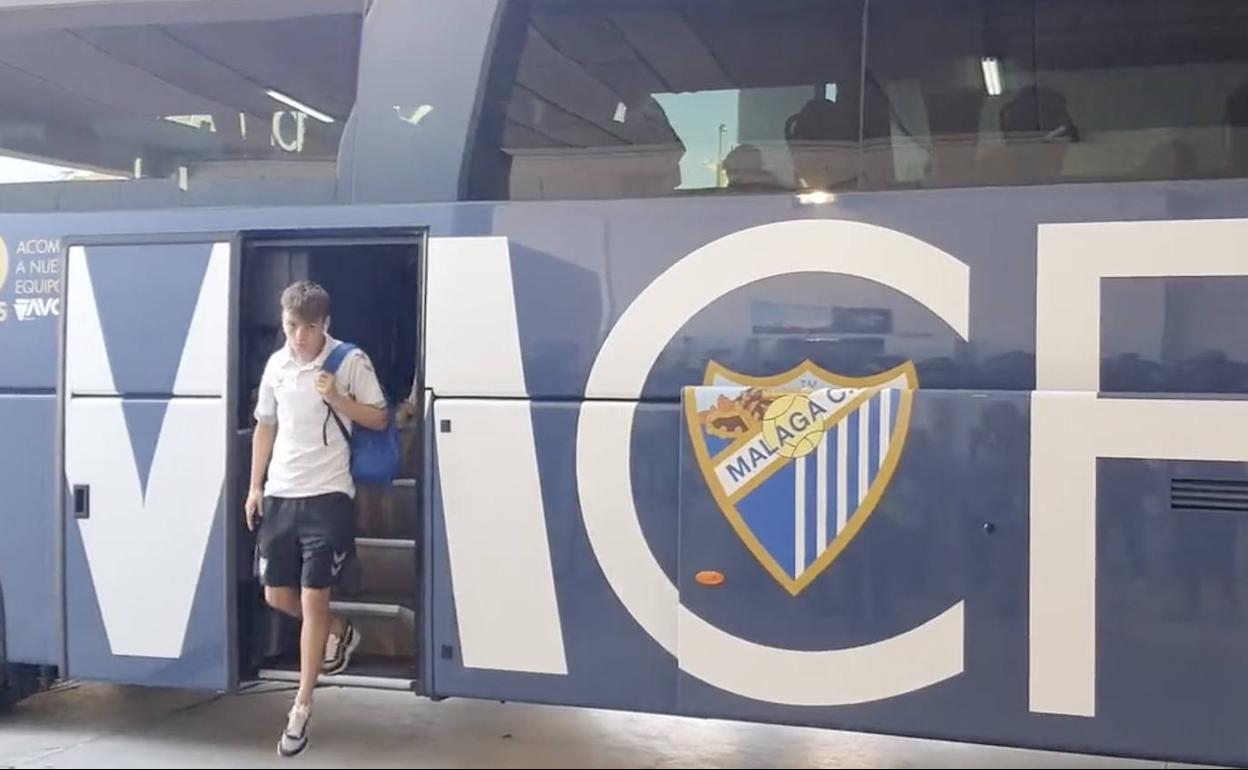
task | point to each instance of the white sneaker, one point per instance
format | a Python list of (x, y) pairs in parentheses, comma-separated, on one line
[(295, 737), (338, 650)]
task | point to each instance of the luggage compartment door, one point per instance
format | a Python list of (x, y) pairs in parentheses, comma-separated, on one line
[(148, 589)]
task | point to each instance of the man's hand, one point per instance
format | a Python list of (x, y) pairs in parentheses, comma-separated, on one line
[(328, 388), (252, 507), (361, 414)]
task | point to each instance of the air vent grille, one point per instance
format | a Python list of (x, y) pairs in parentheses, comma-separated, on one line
[(1209, 494)]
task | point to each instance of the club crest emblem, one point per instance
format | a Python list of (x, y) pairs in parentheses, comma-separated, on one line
[(798, 462)]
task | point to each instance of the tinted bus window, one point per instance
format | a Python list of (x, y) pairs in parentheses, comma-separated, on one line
[(192, 99), (1007, 92), (642, 99)]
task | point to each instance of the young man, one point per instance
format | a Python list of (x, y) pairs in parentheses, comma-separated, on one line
[(304, 508)]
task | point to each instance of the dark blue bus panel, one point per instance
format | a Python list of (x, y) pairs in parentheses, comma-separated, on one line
[(865, 364)]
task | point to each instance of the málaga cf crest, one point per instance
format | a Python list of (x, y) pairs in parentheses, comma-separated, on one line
[(798, 461)]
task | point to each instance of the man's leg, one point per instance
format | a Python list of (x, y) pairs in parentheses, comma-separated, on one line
[(288, 600), (284, 599), (280, 570), (315, 604), (332, 530)]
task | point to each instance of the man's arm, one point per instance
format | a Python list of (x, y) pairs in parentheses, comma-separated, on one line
[(368, 407), (361, 414), (261, 445), (261, 452)]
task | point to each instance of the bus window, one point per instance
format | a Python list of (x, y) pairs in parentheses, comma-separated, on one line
[(196, 96), (925, 65), (1153, 89), (1025, 92), (624, 99)]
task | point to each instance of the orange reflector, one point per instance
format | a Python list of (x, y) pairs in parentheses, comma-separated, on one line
[(710, 577)]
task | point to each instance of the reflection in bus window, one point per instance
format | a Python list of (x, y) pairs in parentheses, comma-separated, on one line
[(625, 99), (185, 101), (1004, 92)]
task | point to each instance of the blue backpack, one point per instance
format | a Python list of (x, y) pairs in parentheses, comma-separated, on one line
[(375, 454)]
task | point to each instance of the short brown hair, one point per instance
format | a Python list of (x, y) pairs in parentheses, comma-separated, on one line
[(306, 301)]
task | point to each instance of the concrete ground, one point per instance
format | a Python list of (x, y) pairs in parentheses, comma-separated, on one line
[(92, 725)]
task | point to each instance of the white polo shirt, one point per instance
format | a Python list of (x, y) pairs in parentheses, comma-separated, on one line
[(310, 455)]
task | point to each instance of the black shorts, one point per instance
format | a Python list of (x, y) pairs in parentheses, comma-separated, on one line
[(306, 541)]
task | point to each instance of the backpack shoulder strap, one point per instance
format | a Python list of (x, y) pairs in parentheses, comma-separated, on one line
[(337, 356), (346, 435), (332, 362)]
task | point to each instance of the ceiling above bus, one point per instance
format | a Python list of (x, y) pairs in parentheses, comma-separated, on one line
[(145, 88)]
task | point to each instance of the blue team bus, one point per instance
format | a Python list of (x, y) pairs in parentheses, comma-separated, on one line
[(868, 364)]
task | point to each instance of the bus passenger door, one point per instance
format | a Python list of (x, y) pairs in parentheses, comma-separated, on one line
[(147, 585)]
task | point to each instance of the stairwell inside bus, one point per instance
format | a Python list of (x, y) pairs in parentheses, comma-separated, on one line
[(374, 281)]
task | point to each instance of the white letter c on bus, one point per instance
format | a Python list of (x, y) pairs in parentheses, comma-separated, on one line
[(929, 653)]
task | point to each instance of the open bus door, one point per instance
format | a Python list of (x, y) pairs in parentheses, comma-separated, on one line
[(375, 280), (146, 576)]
